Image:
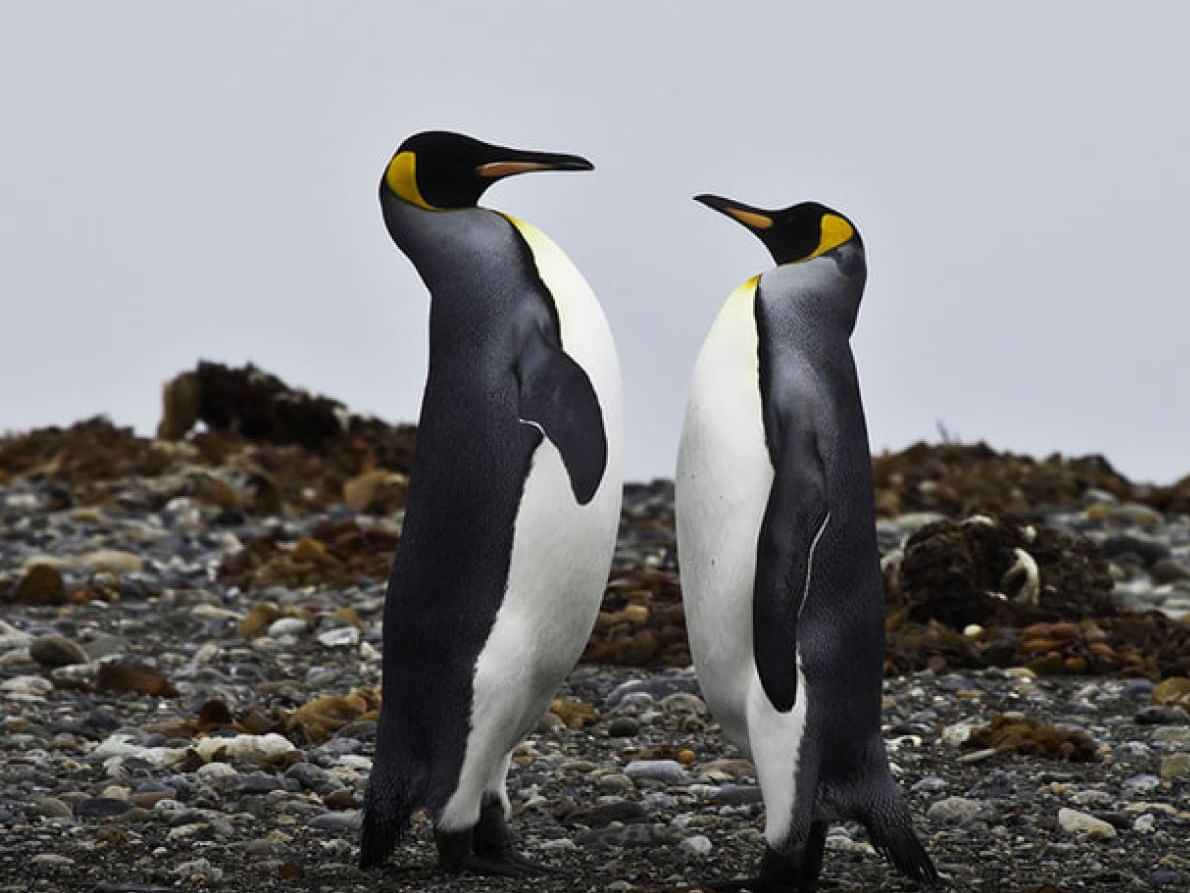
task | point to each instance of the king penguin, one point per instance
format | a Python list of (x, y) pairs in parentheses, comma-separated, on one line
[(777, 547), (513, 503)]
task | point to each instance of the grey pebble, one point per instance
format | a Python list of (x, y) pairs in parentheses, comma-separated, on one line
[(666, 771), (349, 820), (955, 811), (1159, 714), (57, 651), (101, 807)]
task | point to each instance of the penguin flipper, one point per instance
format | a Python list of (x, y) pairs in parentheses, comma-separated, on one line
[(557, 397), (795, 518)]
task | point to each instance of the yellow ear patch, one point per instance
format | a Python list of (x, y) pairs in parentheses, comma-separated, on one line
[(834, 232), (401, 177)]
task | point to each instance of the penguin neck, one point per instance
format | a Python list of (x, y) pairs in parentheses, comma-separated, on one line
[(444, 244), (819, 297)]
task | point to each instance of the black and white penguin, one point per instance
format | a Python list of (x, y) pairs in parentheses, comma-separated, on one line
[(513, 505), (777, 547)]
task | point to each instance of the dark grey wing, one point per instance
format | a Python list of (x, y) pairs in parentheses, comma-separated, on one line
[(556, 396), (795, 518)]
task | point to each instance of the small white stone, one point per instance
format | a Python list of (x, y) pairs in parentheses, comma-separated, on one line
[(1144, 823), (698, 845), (27, 685), (215, 773), (52, 859), (214, 612), (343, 636), (287, 626), (957, 734), (1074, 822), (368, 653)]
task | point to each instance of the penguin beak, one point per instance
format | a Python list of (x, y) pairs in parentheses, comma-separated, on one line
[(514, 161), (753, 218)]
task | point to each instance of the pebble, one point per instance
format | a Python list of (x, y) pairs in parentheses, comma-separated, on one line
[(101, 807), (53, 808), (348, 821), (57, 651), (667, 771), (1161, 714), (623, 727), (27, 685), (1080, 823), (1175, 766), (52, 859), (955, 810), (287, 626), (344, 636), (699, 845)]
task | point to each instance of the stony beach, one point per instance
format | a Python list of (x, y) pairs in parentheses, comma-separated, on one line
[(190, 654)]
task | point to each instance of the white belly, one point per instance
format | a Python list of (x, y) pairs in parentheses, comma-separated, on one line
[(723, 480), (561, 555)]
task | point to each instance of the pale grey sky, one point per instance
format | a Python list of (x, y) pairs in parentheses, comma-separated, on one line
[(200, 181)]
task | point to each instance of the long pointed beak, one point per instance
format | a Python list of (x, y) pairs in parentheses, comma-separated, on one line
[(753, 218), (516, 161)]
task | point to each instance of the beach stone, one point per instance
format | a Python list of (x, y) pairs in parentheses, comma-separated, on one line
[(623, 727), (287, 626), (344, 636), (1175, 766), (1160, 714), (1080, 823), (57, 651), (346, 821), (699, 845), (101, 807), (53, 808), (52, 860), (27, 685), (42, 584), (667, 771), (955, 811), (1169, 877)]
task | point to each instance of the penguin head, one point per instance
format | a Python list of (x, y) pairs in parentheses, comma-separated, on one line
[(437, 170), (798, 233)]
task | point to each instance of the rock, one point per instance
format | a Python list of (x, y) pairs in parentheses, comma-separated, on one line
[(42, 584), (52, 860), (53, 808), (1169, 877), (347, 821), (288, 626), (955, 811), (101, 807), (603, 814), (1156, 714), (739, 794), (1144, 823), (575, 714), (344, 636), (199, 871), (217, 775), (1174, 691), (12, 638), (666, 771), (1175, 766), (133, 676), (378, 491), (1080, 823), (27, 685), (57, 651), (698, 845), (957, 734), (623, 727)]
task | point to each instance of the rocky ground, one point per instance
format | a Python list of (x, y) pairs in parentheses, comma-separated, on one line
[(190, 661)]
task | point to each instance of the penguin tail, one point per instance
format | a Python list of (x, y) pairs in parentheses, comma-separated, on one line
[(890, 828), (389, 803)]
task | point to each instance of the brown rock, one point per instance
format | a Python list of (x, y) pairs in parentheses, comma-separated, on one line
[(575, 714), (378, 491), (139, 678), (41, 585), (1174, 691), (258, 619)]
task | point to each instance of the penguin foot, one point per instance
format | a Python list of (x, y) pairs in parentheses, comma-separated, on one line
[(793, 872)]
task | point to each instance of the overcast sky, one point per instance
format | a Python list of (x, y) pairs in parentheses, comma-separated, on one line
[(199, 181)]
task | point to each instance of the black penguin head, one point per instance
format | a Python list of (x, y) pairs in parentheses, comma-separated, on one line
[(798, 233), (438, 170)]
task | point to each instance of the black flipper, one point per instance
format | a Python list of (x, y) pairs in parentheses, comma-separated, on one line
[(556, 396), (795, 518), (890, 827)]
